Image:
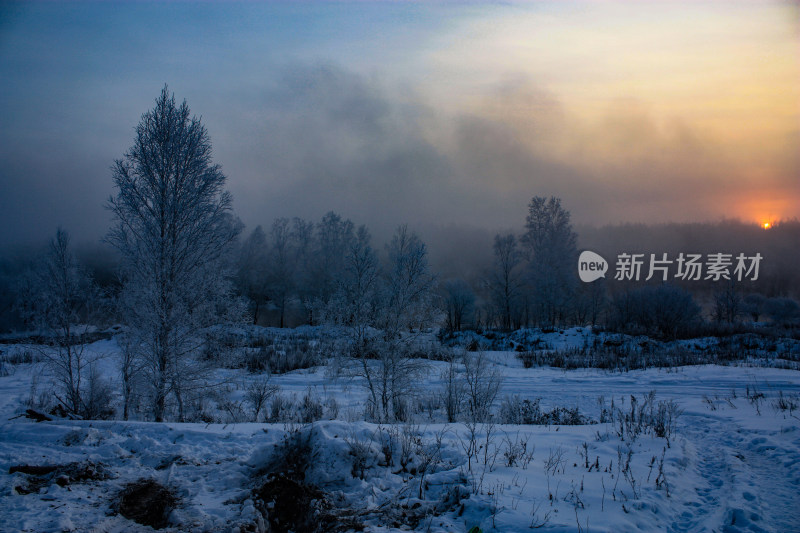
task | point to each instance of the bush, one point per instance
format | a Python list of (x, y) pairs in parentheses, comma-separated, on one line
[(782, 311), (310, 408), (19, 356), (287, 501), (97, 396), (258, 393), (483, 381), (281, 409), (283, 357), (514, 410), (647, 416), (665, 311)]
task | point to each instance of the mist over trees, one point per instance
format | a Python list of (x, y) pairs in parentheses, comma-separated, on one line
[(60, 299), (487, 285), (529, 278), (551, 248), (505, 280), (182, 269), (179, 263)]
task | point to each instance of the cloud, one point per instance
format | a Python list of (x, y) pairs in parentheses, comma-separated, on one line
[(314, 136)]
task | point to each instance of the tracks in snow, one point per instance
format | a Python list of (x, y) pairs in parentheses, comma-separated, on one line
[(748, 481)]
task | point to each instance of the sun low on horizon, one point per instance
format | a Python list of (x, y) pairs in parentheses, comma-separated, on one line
[(446, 114), (657, 99)]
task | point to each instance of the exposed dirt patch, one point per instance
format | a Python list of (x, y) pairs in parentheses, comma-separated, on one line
[(39, 476), (288, 503), (146, 502), (291, 505)]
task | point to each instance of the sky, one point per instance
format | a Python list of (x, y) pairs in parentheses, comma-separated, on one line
[(444, 114)]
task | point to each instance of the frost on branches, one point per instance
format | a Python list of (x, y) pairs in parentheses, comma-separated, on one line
[(174, 227)]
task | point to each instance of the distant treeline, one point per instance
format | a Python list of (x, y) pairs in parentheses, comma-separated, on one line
[(290, 268)]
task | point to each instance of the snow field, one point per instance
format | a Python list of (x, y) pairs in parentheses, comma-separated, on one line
[(733, 463)]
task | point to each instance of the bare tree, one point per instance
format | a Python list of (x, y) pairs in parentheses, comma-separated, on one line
[(409, 284), (252, 275), (407, 308), (63, 301), (728, 303), (355, 306), (384, 310), (259, 392), (333, 236), (359, 288), (454, 386), (753, 305), (459, 302), (130, 366), (303, 237), (282, 266), (174, 229), (505, 279), (483, 381), (589, 301), (663, 310)]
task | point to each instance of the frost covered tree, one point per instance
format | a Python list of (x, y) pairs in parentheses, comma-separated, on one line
[(459, 303), (407, 308), (303, 239), (62, 300), (589, 301), (552, 252), (753, 305), (354, 306), (382, 309), (783, 311), (357, 305), (282, 266), (357, 297), (483, 382), (409, 284), (174, 229), (505, 279), (666, 311), (253, 270), (728, 303), (332, 239)]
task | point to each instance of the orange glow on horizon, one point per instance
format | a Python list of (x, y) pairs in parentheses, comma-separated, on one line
[(767, 225)]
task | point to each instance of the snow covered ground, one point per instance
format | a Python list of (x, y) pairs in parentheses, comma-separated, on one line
[(732, 463)]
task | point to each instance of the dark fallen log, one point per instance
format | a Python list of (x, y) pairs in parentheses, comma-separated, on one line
[(33, 414), (36, 415), (34, 470)]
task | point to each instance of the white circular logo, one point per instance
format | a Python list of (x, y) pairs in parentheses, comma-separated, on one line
[(591, 266)]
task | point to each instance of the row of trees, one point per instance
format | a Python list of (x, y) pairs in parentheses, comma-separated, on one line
[(176, 236), (184, 270), (299, 265), (532, 281)]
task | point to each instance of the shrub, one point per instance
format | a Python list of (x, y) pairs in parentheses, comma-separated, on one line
[(310, 408), (514, 410), (97, 396), (258, 393), (783, 311), (665, 310)]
